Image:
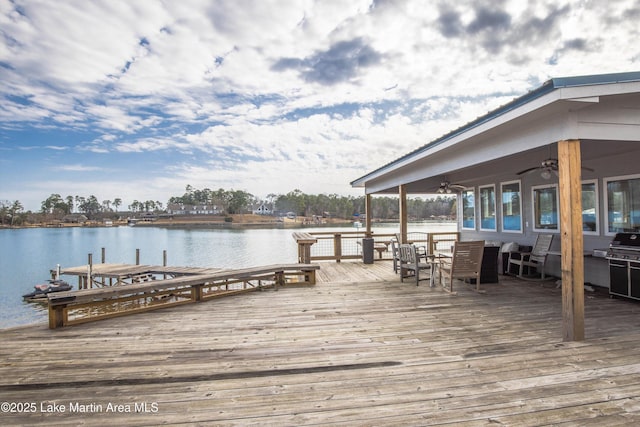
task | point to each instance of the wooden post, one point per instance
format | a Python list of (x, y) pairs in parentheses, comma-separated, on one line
[(310, 277), (278, 280), (403, 213), (197, 292), (368, 214), (137, 256), (89, 283), (103, 258), (164, 261), (569, 164), (337, 247), (57, 316)]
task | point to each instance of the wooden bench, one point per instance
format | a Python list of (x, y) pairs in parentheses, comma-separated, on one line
[(304, 241), (85, 305), (381, 247)]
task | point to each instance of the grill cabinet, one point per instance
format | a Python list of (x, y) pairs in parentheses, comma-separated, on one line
[(624, 265)]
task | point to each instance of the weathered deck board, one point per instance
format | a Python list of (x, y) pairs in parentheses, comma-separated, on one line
[(359, 348)]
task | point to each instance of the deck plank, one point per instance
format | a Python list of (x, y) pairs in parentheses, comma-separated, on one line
[(358, 348)]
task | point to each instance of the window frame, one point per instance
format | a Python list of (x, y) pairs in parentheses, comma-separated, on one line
[(605, 185), (533, 208), (481, 207), (502, 205), (596, 232), (462, 216)]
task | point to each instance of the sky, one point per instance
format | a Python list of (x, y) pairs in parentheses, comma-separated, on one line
[(138, 99)]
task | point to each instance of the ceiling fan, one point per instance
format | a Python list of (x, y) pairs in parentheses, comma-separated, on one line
[(547, 168), (447, 188)]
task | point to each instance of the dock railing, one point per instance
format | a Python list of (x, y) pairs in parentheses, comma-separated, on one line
[(346, 245), (86, 305)]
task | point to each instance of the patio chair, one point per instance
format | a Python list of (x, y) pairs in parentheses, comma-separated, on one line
[(395, 253), (465, 263), (410, 265), (534, 259)]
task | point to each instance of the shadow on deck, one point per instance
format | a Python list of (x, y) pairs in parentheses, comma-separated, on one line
[(359, 348)]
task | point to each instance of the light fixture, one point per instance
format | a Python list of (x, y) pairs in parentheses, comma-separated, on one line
[(445, 188), (546, 174)]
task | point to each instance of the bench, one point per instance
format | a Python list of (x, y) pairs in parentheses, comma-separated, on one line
[(84, 305), (304, 241), (381, 247)]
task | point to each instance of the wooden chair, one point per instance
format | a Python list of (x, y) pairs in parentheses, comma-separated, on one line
[(465, 263), (410, 265), (395, 253), (534, 259)]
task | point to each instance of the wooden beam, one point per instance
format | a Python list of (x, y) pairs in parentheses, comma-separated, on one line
[(569, 164), (403, 213), (368, 213)]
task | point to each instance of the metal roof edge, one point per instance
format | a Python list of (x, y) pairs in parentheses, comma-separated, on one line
[(547, 87), (596, 79)]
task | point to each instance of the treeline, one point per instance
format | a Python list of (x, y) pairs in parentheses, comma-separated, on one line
[(233, 202), (301, 204)]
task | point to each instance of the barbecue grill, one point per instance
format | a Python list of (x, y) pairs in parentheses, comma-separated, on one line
[(624, 265)]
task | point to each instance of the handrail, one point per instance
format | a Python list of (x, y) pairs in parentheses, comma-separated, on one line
[(344, 245)]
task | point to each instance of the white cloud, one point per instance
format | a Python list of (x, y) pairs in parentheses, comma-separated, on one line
[(77, 168)]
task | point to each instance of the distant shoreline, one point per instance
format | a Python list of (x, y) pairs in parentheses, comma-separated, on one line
[(239, 221)]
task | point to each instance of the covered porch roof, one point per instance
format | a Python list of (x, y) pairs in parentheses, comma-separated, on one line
[(593, 109), (579, 122)]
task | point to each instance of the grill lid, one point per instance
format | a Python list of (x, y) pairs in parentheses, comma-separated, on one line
[(626, 240)]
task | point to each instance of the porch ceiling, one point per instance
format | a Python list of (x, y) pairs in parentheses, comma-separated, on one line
[(594, 153)]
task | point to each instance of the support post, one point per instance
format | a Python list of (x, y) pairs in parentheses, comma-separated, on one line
[(197, 292), (403, 213), (57, 316), (137, 256), (337, 248), (103, 259), (368, 214), (164, 261), (569, 169), (89, 283)]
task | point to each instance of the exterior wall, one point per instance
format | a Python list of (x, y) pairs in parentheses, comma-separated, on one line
[(192, 210)]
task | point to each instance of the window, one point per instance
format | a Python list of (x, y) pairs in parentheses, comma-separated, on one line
[(623, 204), (590, 207), (545, 208), (469, 209), (488, 208), (511, 207)]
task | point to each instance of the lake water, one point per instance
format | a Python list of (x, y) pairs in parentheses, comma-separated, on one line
[(27, 255)]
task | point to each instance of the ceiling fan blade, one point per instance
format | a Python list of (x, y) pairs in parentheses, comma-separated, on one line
[(529, 170)]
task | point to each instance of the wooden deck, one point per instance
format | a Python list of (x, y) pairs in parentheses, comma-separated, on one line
[(359, 348)]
